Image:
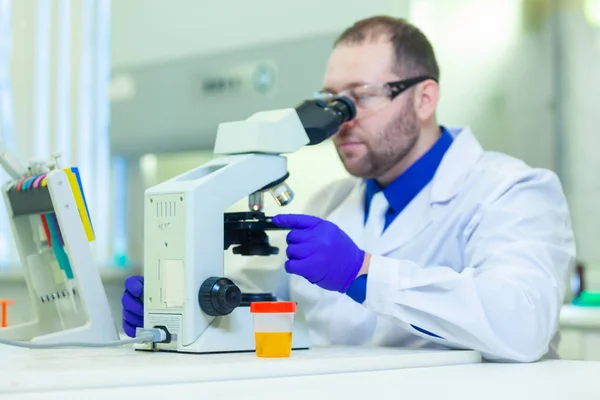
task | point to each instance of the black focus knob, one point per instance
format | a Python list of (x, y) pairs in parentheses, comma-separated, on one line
[(219, 296)]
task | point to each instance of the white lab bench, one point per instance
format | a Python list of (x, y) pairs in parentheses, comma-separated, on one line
[(344, 373), (580, 333)]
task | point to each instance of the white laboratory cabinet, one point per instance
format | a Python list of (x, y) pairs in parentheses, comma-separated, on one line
[(580, 333)]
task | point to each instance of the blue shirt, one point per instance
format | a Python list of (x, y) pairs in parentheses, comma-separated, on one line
[(400, 192)]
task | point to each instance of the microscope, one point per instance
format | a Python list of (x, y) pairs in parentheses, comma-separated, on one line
[(187, 229)]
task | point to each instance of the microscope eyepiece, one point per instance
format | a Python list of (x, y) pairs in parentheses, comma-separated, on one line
[(322, 120), (344, 107)]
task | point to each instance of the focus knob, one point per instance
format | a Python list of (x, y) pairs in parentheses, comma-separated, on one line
[(219, 296)]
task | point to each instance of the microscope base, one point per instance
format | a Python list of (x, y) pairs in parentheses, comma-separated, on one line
[(232, 333)]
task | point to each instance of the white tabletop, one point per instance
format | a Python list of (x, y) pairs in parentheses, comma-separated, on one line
[(26, 371), (547, 380), (345, 373)]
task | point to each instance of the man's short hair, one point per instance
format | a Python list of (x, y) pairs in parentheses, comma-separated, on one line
[(414, 53)]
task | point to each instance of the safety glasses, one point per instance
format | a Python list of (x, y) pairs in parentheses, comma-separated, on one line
[(370, 98)]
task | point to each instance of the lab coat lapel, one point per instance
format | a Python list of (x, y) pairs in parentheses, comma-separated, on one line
[(349, 215), (454, 168), (457, 163), (408, 224)]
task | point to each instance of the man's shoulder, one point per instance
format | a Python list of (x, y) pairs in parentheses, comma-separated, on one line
[(469, 167), (497, 174), (496, 163), (500, 167)]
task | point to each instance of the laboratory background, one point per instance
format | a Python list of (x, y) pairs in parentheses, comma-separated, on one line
[(132, 92)]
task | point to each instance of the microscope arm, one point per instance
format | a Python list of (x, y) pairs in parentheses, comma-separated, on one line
[(184, 240)]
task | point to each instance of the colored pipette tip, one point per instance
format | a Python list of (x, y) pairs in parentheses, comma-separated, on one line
[(20, 184)]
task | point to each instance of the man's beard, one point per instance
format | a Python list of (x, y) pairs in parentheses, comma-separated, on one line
[(396, 140)]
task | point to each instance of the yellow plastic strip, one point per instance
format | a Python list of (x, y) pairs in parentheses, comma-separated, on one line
[(44, 183), (85, 218)]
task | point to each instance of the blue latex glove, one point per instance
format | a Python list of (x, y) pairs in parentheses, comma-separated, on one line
[(133, 304), (320, 251)]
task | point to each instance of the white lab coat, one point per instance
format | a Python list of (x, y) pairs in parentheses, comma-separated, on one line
[(480, 257)]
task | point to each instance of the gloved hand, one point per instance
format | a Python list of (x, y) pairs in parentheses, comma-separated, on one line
[(320, 251), (133, 304)]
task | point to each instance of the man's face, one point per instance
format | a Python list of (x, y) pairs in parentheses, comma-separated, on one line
[(374, 141)]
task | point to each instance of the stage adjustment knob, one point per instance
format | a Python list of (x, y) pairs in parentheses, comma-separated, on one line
[(219, 296)]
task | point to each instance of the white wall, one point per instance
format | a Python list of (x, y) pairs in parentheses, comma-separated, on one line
[(496, 73), (146, 32), (582, 130)]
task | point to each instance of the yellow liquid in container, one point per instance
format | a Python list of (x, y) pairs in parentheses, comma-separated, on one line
[(273, 344)]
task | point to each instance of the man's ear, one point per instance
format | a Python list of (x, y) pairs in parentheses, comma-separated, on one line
[(426, 99)]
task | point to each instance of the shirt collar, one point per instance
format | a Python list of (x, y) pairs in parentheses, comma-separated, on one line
[(400, 192)]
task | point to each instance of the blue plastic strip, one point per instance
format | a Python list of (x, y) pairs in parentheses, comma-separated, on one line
[(75, 171), (52, 220), (59, 252), (120, 211), (426, 332)]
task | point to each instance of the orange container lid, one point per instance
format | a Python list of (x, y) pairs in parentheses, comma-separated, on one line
[(273, 307)]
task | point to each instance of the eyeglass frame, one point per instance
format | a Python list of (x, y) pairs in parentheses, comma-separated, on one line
[(397, 87)]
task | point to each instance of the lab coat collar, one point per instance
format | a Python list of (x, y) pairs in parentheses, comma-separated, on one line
[(402, 190), (408, 224), (460, 158), (456, 164)]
